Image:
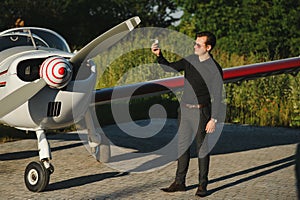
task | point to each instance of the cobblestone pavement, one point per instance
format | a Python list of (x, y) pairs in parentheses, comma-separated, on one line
[(247, 163)]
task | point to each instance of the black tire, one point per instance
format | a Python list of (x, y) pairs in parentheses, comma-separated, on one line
[(36, 177)]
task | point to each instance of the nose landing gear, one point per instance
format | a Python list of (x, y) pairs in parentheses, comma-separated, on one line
[(37, 176)]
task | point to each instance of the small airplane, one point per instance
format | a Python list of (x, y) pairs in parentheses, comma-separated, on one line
[(39, 91), (41, 84)]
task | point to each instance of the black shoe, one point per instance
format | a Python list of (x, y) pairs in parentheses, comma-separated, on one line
[(175, 187), (201, 191)]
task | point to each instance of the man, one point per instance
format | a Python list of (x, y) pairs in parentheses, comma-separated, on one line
[(198, 108)]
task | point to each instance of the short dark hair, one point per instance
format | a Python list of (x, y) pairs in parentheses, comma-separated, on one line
[(211, 38)]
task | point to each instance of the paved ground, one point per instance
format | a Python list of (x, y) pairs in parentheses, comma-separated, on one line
[(247, 163)]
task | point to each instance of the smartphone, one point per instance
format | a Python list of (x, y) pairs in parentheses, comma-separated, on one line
[(155, 41)]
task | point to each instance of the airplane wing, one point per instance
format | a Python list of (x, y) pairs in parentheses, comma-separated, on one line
[(230, 75), (253, 71)]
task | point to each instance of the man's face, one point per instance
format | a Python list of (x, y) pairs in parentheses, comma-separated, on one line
[(200, 48)]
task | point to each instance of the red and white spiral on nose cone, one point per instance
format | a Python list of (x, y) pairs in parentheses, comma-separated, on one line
[(56, 71)]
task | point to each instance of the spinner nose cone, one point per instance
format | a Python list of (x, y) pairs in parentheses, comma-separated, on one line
[(56, 71), (61, 71)]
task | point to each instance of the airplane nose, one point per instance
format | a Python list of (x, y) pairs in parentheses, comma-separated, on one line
[(56, 71)]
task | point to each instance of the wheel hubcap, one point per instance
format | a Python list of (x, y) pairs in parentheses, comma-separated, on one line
[(33, 177)]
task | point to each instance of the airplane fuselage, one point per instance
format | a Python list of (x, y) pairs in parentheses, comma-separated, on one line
[(45, 86), (50, 108)]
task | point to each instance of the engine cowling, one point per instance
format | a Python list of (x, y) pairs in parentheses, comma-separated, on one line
[(56, 71)]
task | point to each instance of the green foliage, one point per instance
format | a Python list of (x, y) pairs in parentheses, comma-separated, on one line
[(80, 21), (251, 31), (244, 26), (131, 60), (272, 101), (248, 31), (269, 101)]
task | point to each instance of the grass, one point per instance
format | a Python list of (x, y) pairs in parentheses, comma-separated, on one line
[(138, 108), (8, 134)]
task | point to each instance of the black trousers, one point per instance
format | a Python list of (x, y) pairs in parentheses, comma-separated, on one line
[(192, 123)]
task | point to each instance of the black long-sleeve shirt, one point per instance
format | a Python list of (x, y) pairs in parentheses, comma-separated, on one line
[(203, 81)]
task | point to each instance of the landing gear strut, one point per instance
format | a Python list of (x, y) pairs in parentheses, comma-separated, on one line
[(98, 142), (37, 174)]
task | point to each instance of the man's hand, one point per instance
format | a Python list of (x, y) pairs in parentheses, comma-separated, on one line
[(155, 49), (210, 126)]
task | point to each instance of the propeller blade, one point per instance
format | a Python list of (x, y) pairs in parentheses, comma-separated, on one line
[(118, 31), (20, 96)]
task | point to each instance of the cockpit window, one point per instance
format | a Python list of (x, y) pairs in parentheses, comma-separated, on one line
[(14, 40), (24, 37), (53, 40)]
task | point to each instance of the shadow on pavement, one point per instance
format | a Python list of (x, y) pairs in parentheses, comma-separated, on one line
[(28, 154), (276, 166), (234, 138), (82, 180)]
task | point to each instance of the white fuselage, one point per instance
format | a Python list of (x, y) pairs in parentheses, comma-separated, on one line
[(50, 108)]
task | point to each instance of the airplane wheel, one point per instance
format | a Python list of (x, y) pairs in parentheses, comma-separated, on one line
[(36, 176)]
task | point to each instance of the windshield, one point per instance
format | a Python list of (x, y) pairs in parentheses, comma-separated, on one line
[(32, 37), (13, 40)]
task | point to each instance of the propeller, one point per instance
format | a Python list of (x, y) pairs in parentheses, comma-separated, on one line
[(104, 41), (20, 96), (57, 72)]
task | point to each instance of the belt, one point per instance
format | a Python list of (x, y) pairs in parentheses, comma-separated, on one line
[(195, 105)]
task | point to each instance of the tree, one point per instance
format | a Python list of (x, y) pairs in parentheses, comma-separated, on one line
[(79, 21), (244, 26)]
